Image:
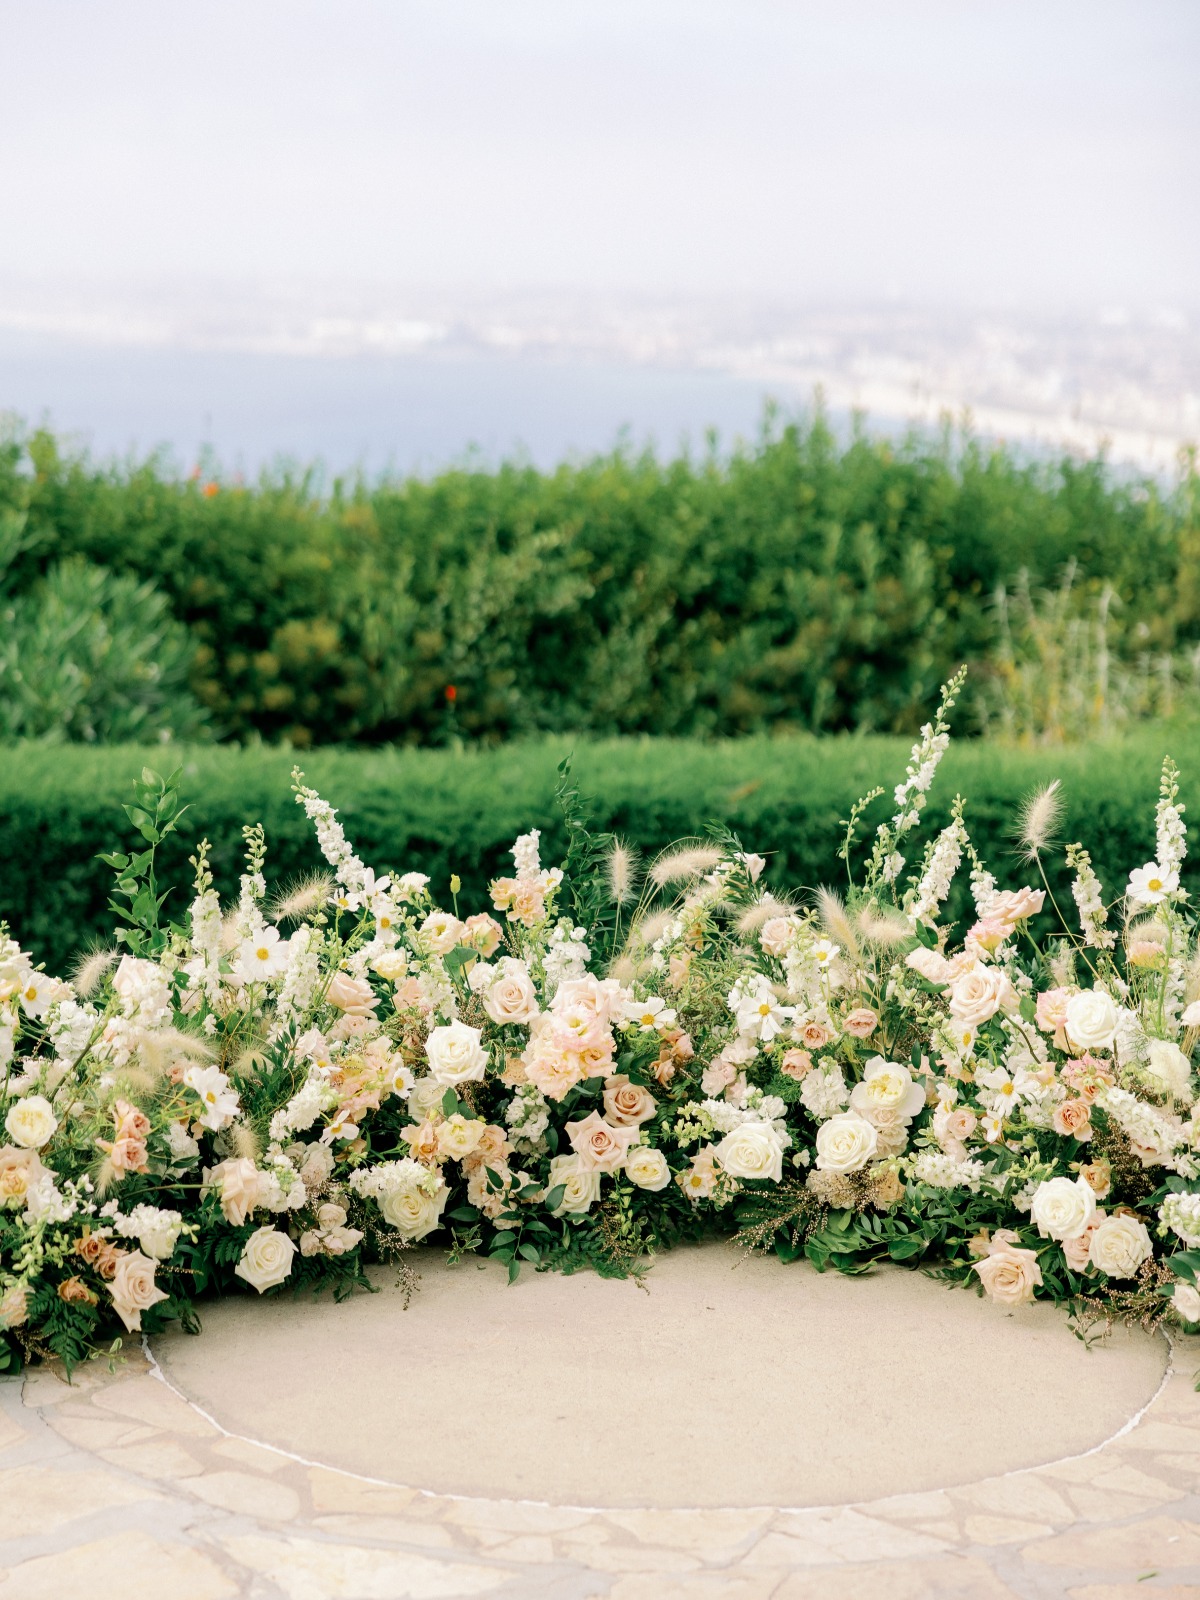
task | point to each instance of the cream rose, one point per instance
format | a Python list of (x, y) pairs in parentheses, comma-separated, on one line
[(846, 1142), (412, 1211), (1090, 1020), (978, 994), (31, 1122), (266, 1259), (510, 995), (18, 1170), (1009, 1275), (14, 1306), (1169, 1066), (352, 995), (755, 1150), (647, 1167), (930, 964), (456, 1054), (458, 1136), (580, 1185), (1119, 1246), (391, 965), (1063, 1208), (887, 1086), (1186, 1301), (777, 934), (133, 1289)]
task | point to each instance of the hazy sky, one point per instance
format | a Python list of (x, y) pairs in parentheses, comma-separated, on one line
[(1037, 151)]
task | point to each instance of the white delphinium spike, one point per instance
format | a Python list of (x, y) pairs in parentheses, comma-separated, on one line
[(349, 871), (935, 881), (1170, 828), (684, 862), (887, 861), (90, 971), (1040, 817), (1089, 898), (621, 870)]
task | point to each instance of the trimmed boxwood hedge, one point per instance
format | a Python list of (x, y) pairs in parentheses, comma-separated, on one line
[(441, 811)]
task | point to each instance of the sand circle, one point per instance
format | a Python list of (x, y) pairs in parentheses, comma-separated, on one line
[(725, 1382)]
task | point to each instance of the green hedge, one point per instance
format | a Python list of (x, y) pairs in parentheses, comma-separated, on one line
[(443, 812), (804, 582)]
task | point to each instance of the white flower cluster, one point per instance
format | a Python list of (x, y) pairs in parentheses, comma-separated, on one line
[(1085, 889), (1170, 828), (1181, 1213), (942, 1171), (1154, 1134), (566, 955), (410, 1196), (823, 1093), (155, 1230), (301, 979), (528, 1115), (303, 1109)]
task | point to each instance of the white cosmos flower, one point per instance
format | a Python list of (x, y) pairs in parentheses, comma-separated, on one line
[(650, 1014), (261, 956), (218, 1098), (1151, 885)]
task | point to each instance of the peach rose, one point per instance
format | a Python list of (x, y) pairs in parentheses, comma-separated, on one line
[(1016, 905), (627, 1104), (796, 1064), (977, 994), (1078, 1251), (482, 933), (422, 1142), (929, 964), (813, 1035), (599, 1146), (131, 1123), (861, 1022), (73, 1291), (133, 1289), (352, 995), (240, 1187), (1099, 1175), (1009, 1275), (127, 1155), (1071, 1120)]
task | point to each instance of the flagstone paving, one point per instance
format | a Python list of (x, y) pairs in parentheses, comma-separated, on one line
[(115, 1487)]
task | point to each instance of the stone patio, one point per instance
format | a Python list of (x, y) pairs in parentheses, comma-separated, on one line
[(116, 1487)]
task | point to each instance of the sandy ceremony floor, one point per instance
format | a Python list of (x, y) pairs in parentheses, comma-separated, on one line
[(754, 1433)]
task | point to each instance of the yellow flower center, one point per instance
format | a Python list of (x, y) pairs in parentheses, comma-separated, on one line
[(262, 953), (1155, 885)]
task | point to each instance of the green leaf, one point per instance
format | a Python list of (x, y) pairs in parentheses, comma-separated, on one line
[(514, 1270), (530, 1252), (555, 1198)]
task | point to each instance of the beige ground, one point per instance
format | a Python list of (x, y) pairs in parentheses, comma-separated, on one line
[(726, 1382), (117, 1488)]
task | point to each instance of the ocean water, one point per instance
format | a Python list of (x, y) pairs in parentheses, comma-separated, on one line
[(403, 413)]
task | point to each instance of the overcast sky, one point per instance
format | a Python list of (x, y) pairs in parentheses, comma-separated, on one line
[(1042, 152)]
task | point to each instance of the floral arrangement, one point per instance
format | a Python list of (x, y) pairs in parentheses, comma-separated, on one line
[(277, 1092)]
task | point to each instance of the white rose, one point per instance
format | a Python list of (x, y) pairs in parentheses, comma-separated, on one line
[(1171, 1068), (1186, 1301), (887, 1086), (647, 1167), (978, 994), (1119, 1246), (456, 1054), (510, 995), (412, 1211), (755, 1150), (425, 1096), (845, 1143), (580, 1184), (266, 1259), (1063, 1208), (391, 965), (31, 1122), (1091, 1020)]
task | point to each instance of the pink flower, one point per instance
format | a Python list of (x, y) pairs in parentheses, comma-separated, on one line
[(599, 1146), (861, 1022)]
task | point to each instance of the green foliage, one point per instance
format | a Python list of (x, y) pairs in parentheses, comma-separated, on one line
[(446, 812), (90, 655), (800, 583)]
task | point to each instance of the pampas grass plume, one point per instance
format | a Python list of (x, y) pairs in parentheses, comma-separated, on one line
[(684, 862), (90, 970), (1040, 817), (622, 871), (763, 909), (301, 898), (835, 921)]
